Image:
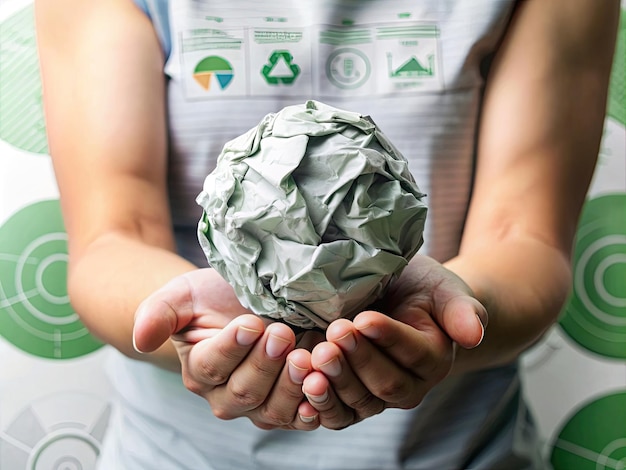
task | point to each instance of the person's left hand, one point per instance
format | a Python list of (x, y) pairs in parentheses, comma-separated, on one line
[(392, 360)]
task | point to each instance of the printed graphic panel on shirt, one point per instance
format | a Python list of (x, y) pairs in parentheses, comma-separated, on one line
[(280, 62), (35, 312), (21, 111), (594, 438), (213, 62), (411, 57), (595, 314), (302, 60), (61, 431), (346, 53)]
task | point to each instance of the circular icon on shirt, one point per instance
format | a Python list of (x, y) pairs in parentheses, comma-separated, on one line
[(348, 68), (595, 315), (594, 438), (22, 119), (35, 312)]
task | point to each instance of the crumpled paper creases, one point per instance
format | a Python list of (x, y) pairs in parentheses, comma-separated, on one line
[(310, 215)]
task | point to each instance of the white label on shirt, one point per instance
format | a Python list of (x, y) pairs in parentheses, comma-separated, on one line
[(284, 59)]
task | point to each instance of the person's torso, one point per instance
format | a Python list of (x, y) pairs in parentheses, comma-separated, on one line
[(415, 68)]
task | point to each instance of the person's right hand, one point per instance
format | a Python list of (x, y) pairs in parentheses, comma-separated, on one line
[(241, 364)]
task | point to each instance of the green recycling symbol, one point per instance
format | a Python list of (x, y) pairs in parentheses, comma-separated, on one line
[(280, 69)]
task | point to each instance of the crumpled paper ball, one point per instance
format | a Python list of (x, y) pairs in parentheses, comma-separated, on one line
[(310, 215)]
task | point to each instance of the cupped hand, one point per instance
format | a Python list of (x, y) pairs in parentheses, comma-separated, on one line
[(393, 359), (241, 364)]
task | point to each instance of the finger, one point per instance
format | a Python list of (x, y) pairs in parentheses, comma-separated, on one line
[(308, 417), (165, 312), (212, 361), (397, 362), (285, 399), (332, 413), (464, 319), (251, 381), (328, 358), (180, 302)]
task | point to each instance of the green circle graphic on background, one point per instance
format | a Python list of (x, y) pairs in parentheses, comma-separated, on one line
[(595, 314), (35, 312), (22, 124), (594, 438), (616, 105)]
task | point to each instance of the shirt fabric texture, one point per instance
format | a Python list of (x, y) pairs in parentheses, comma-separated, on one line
[(415, 67)]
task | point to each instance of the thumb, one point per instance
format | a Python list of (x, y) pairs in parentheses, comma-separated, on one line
[(165, 312), (464, 319)]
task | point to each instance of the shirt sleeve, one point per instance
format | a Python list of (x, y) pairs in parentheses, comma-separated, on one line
[(158, 12)]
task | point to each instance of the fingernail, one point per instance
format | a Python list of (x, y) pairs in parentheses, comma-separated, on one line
[(276, 346), (370, 331), (331, 368), (297, 374), (318, 399), (246, 336), (347, 342), (135, 346), (308, 419), (482, 329)]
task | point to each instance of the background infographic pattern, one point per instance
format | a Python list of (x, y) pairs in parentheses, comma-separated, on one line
[(35, 312), (616, 108), (56, 432), (594, 438), (54, 405), (595, 316), (22, 123)]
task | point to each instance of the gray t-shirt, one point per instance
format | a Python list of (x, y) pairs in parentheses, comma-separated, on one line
[(416, 68)]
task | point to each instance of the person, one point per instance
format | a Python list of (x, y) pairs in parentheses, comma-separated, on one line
[(500, 120)]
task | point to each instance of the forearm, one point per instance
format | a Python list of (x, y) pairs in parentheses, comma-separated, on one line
[(523, 283), (538, 140), (109, 280)]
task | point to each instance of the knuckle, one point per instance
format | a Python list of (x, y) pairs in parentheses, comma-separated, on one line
[(362, 360), (367, 405), (212, 374), (410, 402), (262, 425), (393, 389), (273, 417), (432, 364), (291, 395), (245, 397), (222, 413), (408, 399), (336, 419), (193, 385), (264, 370)]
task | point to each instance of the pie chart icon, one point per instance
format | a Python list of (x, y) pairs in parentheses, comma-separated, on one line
[(213, 70)]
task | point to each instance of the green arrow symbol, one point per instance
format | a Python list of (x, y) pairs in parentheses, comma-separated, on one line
[(280, 69)]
